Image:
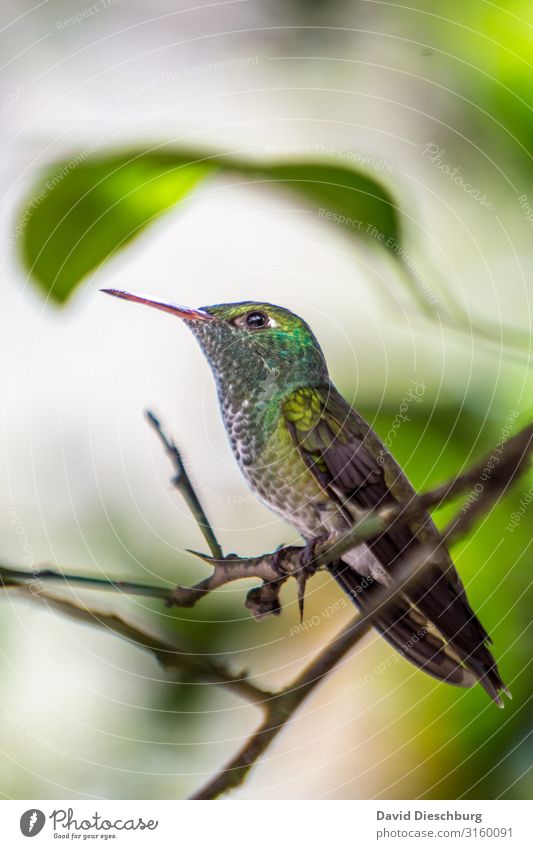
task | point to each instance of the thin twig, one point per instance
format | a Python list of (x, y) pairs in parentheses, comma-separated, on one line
[(33, 577), (280, 709), (183, 484), (177, 656), (276, 566), (273, 569)]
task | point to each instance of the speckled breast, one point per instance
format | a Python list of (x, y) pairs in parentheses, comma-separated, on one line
[(276, 472)]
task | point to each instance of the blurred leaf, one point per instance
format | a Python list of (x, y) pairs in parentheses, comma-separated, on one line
[(509, 49), (83, 210), (351, 197), (486, 51), (89, 211), (460, 733)]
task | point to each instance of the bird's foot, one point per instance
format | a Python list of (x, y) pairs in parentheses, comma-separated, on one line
[(307, 568), (283, 558), (308, 555), (283, 562), (264, 600)]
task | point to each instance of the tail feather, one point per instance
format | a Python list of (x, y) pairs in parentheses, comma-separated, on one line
[(405, 624)]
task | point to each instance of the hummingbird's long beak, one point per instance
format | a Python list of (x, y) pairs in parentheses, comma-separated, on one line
[(175, 309)]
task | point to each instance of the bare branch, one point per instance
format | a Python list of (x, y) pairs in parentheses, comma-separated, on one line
[(183, 484), (279, 710), (496, 472), (513, 460), (177, 656), (275, 567), (33, 577)]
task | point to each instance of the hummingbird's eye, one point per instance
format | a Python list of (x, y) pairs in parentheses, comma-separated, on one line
[(255, 320)]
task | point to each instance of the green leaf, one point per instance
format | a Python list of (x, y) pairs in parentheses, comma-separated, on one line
[(83, 210), (80, 216), (342, 195)]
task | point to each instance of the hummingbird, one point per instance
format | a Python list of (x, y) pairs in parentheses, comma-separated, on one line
[(306, 453)]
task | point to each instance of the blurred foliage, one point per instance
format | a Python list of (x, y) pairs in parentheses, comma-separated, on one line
[(501, 36), (482, 53), (452, 743), (82, 210), (466, 737), (452, 736), (439, 724)]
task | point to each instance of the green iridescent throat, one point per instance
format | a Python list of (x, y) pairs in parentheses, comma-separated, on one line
[(255, 369)]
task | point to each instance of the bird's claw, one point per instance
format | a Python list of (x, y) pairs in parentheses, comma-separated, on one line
[(279, 555), (301, 582), (264, 600), (283, 561), (307, 568)]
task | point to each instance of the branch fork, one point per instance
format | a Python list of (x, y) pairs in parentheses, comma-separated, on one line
[(274, 569)]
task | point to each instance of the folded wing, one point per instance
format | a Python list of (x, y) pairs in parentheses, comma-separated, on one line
[(432, 624)]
